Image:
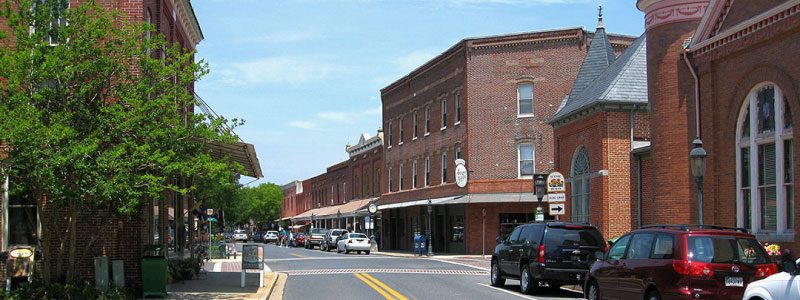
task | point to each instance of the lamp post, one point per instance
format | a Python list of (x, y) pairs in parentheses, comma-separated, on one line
[(539, 187), (430, 238), (698, 163)]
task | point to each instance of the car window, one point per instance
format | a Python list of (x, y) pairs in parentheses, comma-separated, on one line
[(618, 249), (725, 249), (664, 247), (514, 237), (561, 236), (523, 235), (357, 236), (533, 234), (641, 244)]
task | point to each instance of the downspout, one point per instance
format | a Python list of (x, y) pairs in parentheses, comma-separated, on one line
[(696, 91)]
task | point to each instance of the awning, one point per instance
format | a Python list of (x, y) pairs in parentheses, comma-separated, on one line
[(241, 153), (469, 198), (349, 209), (418, 202)]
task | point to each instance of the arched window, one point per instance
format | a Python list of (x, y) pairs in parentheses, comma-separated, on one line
[(580, 187), (765, 164)]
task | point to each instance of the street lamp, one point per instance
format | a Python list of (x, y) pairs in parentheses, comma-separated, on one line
[(430, 238), (698, 163), (539, 188)]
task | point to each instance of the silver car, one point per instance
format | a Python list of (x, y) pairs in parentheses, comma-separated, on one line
[(353, 242), (240, 235)]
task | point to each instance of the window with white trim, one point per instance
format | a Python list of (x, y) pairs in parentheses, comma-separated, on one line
[(765, 163), (389, 179), (400, 176), (580, 195), (427, 120), (444, 167), (414, 121), (525, 99), (458, 152), (427, 171), (390, 135), (400, 141), (57, 10), (526, 165), (458, 108), (414, 175), (444, 113)]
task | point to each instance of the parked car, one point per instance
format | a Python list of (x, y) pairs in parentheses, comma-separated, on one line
[(555, 253), (783, 285), (679, 262), (257, 236), (227, 236), (271, 236), (240, 235), (315, 237), (329, 242), (300, 240), (353, 242)]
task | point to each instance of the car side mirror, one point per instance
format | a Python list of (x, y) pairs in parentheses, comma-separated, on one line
[(499, 239), (789, 266)]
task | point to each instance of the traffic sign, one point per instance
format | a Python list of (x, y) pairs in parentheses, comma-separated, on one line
[(556, 197), (556, 209), (539, 216)]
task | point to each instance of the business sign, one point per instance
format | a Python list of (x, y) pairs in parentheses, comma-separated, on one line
[(368, 223), (461, 173), (252, 257), (556, 197), (557, 209), (555, 183)]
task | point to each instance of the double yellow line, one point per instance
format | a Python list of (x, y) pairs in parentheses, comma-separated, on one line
[(382, 288)]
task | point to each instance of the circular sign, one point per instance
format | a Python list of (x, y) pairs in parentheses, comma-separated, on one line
[(462, 176), (372, 208)]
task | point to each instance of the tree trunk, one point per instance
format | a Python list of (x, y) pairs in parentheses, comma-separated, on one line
[(44, 239), (73, 240)]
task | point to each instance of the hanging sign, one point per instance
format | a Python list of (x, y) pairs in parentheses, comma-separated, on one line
[(461, 173), (555, 183)]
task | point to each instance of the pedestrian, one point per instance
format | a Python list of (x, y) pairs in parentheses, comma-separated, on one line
[(291, 239), (283, 237)]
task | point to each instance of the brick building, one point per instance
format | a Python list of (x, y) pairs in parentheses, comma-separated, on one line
[(740, 104), (485, 100), (599, 129), (338, 197), (160, 219)]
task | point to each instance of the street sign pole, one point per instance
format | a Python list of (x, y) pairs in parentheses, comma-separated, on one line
[(539, 187)]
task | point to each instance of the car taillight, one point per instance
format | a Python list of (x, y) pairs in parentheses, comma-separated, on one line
[(764, 271), (693, 268), (541, 254)]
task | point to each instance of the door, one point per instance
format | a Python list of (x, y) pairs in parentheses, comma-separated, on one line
[(607, 276), (634, 266), (507, 262)]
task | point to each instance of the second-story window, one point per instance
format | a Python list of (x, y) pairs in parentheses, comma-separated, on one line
[(458, 152), (414, 121), (414, 175), (526, 166), (525, 99), (427, 171), (400, 176), (427, 120), (458, 108), (444, 167), (389, 179), (390, 135), (400, 141), (444, 113)]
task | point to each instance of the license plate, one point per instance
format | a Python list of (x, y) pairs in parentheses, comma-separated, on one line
[(575, 258), (734, 281)]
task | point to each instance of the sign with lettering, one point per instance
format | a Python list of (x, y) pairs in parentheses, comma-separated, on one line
[(252, 257), (555, 183), (556, 197), (462, 176)]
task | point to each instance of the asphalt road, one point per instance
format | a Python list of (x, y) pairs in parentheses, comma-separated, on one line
[(314, 274)]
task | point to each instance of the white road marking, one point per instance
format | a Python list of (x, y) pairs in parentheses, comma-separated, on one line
[(509, 292), (217, 267), (460, 264), (325, 258)]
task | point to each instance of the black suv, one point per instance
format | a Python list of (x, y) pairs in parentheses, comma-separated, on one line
[(555, 253)]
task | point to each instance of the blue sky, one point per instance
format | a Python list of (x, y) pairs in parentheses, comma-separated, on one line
[(306, 75)]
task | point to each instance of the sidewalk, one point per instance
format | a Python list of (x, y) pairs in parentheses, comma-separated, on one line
[(488, 257), (223, 285)]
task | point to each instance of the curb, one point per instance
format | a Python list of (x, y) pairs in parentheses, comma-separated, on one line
[(277, 293)]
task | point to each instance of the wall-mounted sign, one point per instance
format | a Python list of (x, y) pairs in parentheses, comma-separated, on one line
[(556, 197), (556, 209), (555, 183), (461, 173)]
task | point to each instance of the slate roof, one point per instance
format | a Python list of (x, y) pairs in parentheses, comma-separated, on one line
[(624, 81), (597, 60)]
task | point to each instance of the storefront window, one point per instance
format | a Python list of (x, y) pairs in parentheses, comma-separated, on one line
[(456, 229), (23, 218), (509, 221)]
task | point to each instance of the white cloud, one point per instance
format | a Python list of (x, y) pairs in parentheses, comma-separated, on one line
[(374, 111), (303, 125), (414, 60), (276, 70), (336, 116)]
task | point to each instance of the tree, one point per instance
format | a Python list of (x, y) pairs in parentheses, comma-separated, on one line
[(95, 119)]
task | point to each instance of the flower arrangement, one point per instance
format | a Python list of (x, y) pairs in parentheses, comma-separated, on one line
[(773, 249)]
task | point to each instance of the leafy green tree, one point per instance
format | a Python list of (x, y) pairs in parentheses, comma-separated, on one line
[(94, 120)]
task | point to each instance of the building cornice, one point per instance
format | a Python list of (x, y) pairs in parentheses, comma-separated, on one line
[(661, 12), (188, 20), (599, 107)]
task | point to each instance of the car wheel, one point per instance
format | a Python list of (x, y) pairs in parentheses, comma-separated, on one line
[(496, 277), (527, 285), (366, 252), (593, 291), (653, 295)]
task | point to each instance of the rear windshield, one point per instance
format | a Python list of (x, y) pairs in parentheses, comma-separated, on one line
[(319, 231), (337, 232), (557, 236), (239, 231), (726, 249), (357, 236)]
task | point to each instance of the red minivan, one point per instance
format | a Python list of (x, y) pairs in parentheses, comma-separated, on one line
[(679, 262)]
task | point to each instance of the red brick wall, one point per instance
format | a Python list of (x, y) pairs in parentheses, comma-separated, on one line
[(727, 75), (672, 128)]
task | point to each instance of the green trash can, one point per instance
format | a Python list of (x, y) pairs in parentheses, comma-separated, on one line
[(154, 271)]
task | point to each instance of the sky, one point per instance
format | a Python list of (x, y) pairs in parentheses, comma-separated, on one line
[(305, 75)]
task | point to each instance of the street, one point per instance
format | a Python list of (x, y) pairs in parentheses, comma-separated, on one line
[(314, 274)]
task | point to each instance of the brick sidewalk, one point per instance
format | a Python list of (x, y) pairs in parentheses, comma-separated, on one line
[(223, 284)]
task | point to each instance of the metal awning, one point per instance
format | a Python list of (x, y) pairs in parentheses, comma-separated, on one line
[(348, 209), (241, 153), (469, 198), (418, 202)]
